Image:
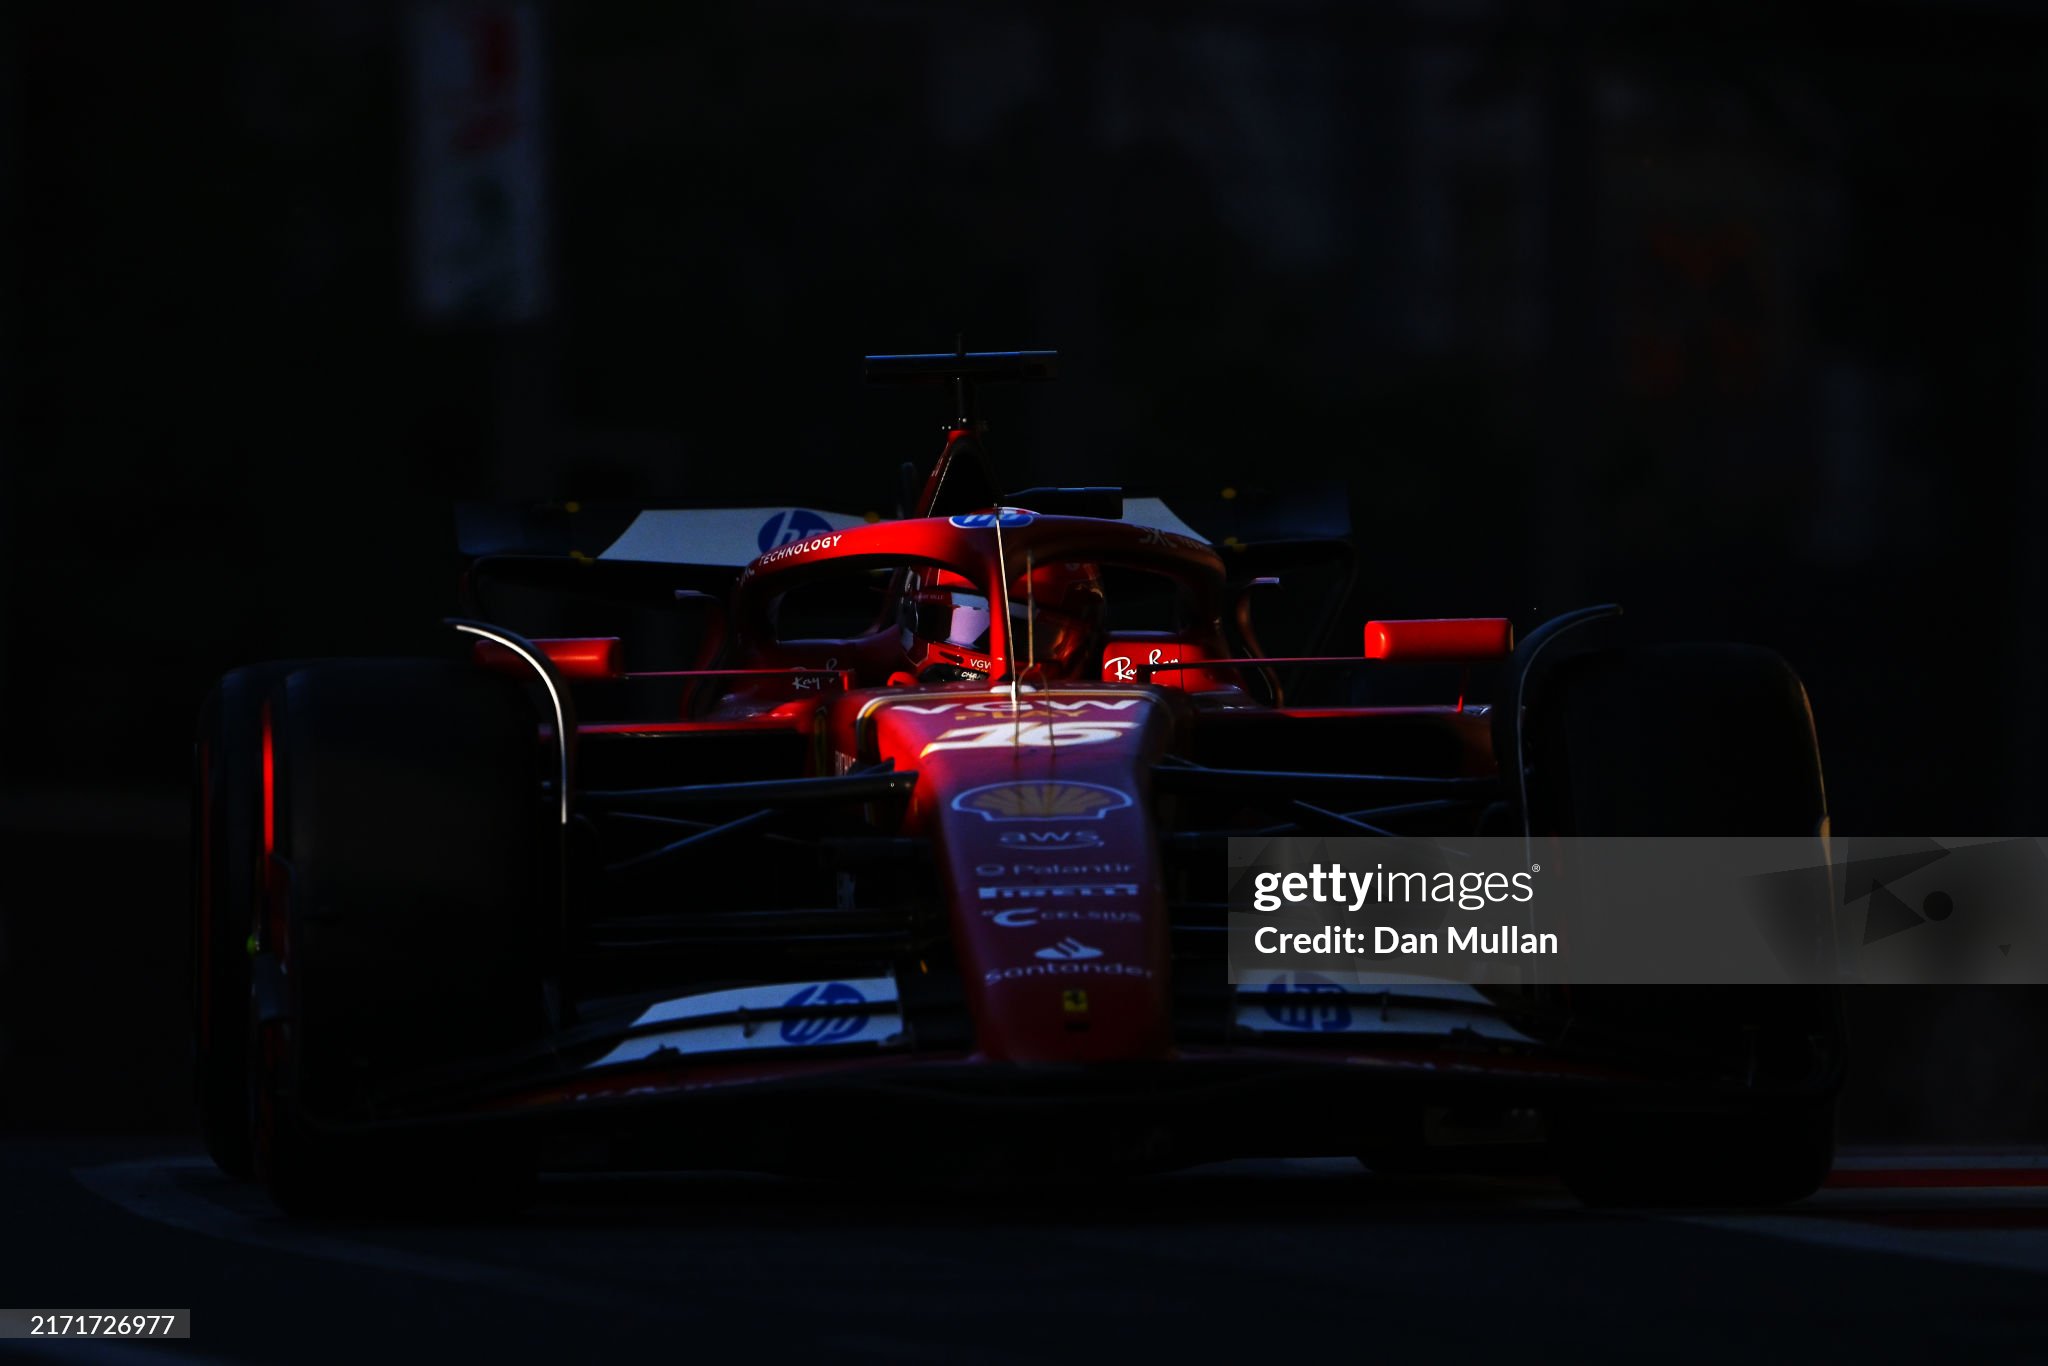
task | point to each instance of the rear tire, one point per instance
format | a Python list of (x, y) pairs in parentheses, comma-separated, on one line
[(1673, 740), (406, 937)]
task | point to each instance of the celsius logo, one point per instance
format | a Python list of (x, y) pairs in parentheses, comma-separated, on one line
[(1027, 917), (1308, 1003), (1001, 802), (1069, 950), (982, 521), (826, 1028), (793, 525)]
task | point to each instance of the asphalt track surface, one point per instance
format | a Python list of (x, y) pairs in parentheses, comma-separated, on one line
[(1907, 1257)]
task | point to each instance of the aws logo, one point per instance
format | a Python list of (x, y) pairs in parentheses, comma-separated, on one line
[(1050, 839)]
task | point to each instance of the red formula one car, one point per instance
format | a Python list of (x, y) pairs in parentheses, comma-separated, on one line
[(777, 838)]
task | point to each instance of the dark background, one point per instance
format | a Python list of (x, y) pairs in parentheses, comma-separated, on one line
[(1735, 313)]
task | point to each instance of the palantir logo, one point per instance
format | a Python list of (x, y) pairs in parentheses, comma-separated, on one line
[(824, 1027), (792, 525), (1308, 1003)]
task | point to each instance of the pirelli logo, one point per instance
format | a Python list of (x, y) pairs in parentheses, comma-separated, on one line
[(1059, 891)]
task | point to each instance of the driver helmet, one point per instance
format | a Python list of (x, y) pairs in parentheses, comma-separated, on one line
[(1056, 622)]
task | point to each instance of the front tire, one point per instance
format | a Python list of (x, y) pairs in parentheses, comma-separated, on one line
[(1768, 1154), (1691, 740), (403, 932)]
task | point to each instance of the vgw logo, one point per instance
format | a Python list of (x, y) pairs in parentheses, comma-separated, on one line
[(1308, 1003), (793, 525), (825, 1027)]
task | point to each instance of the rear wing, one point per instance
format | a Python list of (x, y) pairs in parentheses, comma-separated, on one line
[(732, 537), (655, 556), (729, 537), (958, 480)]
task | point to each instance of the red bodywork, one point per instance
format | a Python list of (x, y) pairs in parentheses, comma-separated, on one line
[(1036, 795), (934, 916)]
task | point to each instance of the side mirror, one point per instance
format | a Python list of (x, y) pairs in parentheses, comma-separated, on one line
[(1242, 614), (1441, 640)]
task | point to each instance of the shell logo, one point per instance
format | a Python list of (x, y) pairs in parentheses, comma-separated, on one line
[(1042, 801)]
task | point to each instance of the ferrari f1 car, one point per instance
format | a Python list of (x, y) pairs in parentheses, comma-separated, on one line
[(780, 838)]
